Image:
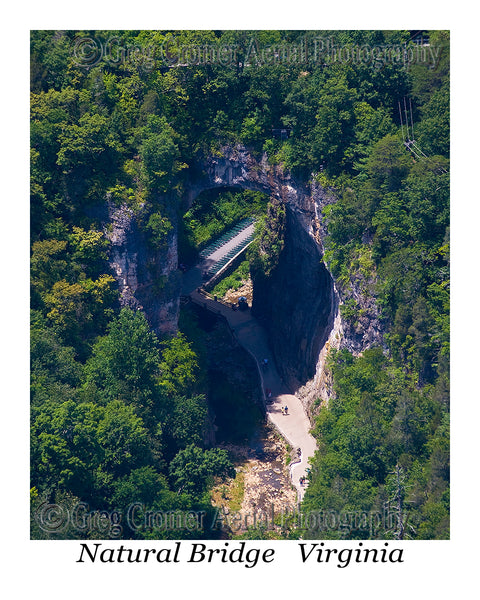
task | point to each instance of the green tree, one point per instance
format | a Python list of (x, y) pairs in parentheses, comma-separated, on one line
[(179, 369), (158, 228), (143, 484), (89, 247), (83, 142), (48, 264), (388, 164), (65, 449), (124, 363), (77, 309), (123, 439), (160, 153), (55, 372), (192, 470)]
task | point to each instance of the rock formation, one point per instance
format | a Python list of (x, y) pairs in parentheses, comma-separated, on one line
[(147, 277), (299, 303)]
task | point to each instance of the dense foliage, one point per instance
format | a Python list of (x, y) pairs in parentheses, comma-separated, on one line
[(119, 416), (384, 439)]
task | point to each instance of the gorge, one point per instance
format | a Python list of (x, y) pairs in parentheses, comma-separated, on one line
[(297, 304), (135, 172)]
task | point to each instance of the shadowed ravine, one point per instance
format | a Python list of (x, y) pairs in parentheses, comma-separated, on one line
[(294, 426), (293, 309)]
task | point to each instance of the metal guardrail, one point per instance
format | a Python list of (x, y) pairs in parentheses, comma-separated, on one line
[(226, 237), (231, 254)]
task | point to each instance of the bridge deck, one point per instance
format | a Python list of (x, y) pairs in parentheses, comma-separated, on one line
[(227, 252), (212, 263)]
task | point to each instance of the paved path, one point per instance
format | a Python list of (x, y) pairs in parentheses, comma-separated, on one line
[(294, 426)]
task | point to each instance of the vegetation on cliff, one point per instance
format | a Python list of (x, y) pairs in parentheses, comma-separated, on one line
[(384, 439), (120, 416)]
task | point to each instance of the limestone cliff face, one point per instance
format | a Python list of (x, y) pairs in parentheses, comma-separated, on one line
[(147, 277), (299, 302)]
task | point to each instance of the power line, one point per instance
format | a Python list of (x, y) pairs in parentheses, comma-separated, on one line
[(409, 139), (401, 120), (411, 119)]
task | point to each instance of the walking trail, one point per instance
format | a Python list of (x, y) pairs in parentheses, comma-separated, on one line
[(294, 425)]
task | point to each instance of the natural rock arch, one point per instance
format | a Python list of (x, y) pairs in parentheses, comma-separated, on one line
[(235, 169), (301, 300), (298, 304)]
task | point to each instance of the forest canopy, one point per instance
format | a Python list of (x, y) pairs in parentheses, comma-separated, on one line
[(120, 414)]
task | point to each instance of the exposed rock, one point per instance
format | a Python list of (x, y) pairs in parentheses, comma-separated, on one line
[(296, 304), (268, 493), (147, 278), (300, 302), (317, 391), (366, 329), (245, 290)]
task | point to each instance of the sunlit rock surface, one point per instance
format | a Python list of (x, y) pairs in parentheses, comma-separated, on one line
[(299, 302)]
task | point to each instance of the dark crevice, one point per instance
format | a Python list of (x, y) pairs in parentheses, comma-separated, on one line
[(296, 305)]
